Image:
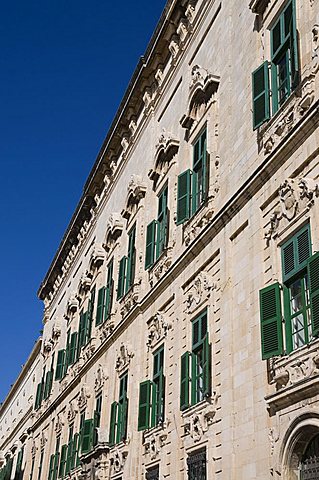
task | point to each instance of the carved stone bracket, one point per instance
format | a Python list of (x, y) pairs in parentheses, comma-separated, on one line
[(198, 420), (198, 291), (130, 299), (59, 423), (106, 329), (161, 266), (71, 306), (97, 258), (136, 190), (100, 378), (89, 348), (84, 284), (117, 459), (202, 89), (154, 441), (166, 149), (102, 467), (72, 411), (258, 6), (315, 49), (43, 440), (158, 328), (295, 195), (56, 331), (114, 230), (83, 396), (124, 358)]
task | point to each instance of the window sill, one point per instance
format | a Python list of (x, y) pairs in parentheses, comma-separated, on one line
[(198, 418), (193, 226), (161, 265), (281, 123)]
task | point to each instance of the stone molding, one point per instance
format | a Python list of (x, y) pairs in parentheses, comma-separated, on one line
[(100, 378), (295, 196), (124, 357), (154, 440), (130, 299), (198, 419), (158, 328), (136, 190), (118, 457), (198, 222), (198, 291), (97, 257), (71, 306), (83, 397), (106, 328), (162, 265), (72, 412), (165, 150), (114, 229)]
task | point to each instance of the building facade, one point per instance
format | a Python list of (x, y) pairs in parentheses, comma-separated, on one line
[(181, 311)]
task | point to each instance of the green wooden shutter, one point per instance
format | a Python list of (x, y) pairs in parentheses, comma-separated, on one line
[(121, 279), (86, 327), (60, 365), (87, 436), (38, 397), (130, 266), (55, 466), (51, 467), (90, 315), (313, 275), (144, 405), (73, 344), (69, 457), (205, 167), (100, 306), (48, 384), (62, 461), (294, 47), (303, 246), (271, 321), (17, 475), (109, 291), (183, 196), (113, 423), (122, 424), (261, 97), (150, 244), (184, 393), (75, 451), (207, 368)]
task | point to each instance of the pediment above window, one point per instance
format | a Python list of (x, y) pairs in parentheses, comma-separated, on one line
[(84, 284), (202, 89), (71, 306), (114, 230), (97, 257), (166, 149), (136, 190)]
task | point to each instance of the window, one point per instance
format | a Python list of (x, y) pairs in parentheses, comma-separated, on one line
[(40, 465), (104, 300), (6, 470), (119, 411), (152, 395), (54, 461), (152, 473), (157, 232), (192, 185), (48, 381), (196, 466), (97, 418), (127, 267), (19, 470), (300, 295), (283, 66), (196, 366)]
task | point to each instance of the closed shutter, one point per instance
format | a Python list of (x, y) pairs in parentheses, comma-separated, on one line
[(293, 45), (122, 426), (18, 471), (144, 405), (100, 306), (131, 256), (90, 315), (108, 291), (69, 457), (56, 466), (184, 392), (113, 423), (81, 334), (51, 467), (48, 384), (271, 321), (296, 252), (75, 451), (87, 436), (63, 457), (38, 398), (73, 345), (121, 279), (150, 244), (183, 196), (87, 328), (313, 275), (261, 97), (60, 365), (207, 368)]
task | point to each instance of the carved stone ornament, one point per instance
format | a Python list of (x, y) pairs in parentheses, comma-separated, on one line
[(258, 6), (158, 328), (161, 266), (114, 230), (136, 190), (72, 411), (124, 358), (273, 436), (202, 89), (118, 458), (59, 423), (89, 348), (71, 306), (106, 329), (84, 284), (295, 195), (102, 467), (33, 449), (197, 423), (100, 378), (166, 149), (83, 396), (154, 443), (130, 299), (199, 291), (47, 347), (97, 257), (56, 331), (148, 100), (315, 49), (198, 222)]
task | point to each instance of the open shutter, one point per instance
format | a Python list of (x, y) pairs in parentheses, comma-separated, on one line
[(150, 244), (18, 471), (64, 449), (87, 436), (90, 315), (207, 366), (75, 450), (271, 321), (261, 97), (51, 467), (123, 421), (130, 265), (56, 466), (108, 291), (294, 60), (184, 393), (144, 405), (38, 397), (313, 275), (100, 306), (60, 365), (121, 279), (69, 456), (205, 167), (48, 384), (113, 423), (73, 344), (183, 196)]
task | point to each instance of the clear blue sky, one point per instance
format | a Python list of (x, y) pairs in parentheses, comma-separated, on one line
[(64, 68)]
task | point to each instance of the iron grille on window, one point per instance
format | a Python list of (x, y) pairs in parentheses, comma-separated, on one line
[(153, 474), (309, 469), (197, 466)]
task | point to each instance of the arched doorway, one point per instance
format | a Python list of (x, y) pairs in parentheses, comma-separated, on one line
[(309, 465)]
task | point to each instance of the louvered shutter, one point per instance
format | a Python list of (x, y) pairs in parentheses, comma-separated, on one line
[(207, 367), (123, 422), (184, 392), (113, 423), (313, 275), (261, 97), (121, 278), (108, 291), (75, 451), (87, 436), (51, 467), (73, 344), (38, 397), (150, 244), (294, 47), (271, 321), (303, 246), (56, 466), (60, 365), (183, 196), (100, 306), (144, 405), (63, 461), (69, 457)]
